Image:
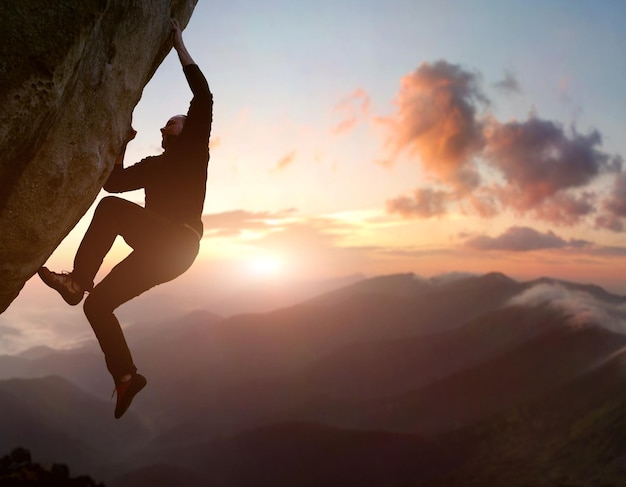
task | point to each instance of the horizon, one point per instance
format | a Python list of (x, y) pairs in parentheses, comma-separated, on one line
[(60, 327), (388, 138)]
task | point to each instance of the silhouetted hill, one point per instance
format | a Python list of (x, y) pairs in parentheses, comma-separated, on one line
[(351, 377), (382, 368), (160, 475), (571, 434), (404, 285), (18, 470), (268, 296), (518, 376), (56, 419), (574, 434), (309, 454), (470, 394), (427, 306)]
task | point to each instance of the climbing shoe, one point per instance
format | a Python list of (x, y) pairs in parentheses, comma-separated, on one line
[(126, 391), (63, 283)]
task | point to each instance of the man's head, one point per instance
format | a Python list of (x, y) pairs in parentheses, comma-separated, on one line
[(172, 129)]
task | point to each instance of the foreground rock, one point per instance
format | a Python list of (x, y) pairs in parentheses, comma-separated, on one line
[(71, 73)]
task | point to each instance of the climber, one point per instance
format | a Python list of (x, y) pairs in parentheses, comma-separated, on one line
[(164, 235)]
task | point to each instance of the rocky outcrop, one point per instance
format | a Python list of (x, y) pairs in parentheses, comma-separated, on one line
[(71, 73)]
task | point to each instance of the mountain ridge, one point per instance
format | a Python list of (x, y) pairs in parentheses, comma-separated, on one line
[(346, 367)]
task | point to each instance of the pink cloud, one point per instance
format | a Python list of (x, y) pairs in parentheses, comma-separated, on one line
[(522, 239), (614, 206), (616, 203), (610, 222), (425, 203), (566, 209), (538, 159), (351, 110)]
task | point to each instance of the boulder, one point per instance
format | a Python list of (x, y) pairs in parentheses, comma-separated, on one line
[(71, 73)]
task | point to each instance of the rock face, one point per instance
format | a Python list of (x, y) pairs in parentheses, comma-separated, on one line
[(71, 73)]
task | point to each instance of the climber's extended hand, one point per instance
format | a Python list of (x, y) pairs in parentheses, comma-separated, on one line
[(179, 45)]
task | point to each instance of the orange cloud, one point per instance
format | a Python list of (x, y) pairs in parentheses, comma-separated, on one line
[(215, 142), (352, 109), (436, 120), (285, 161), (230, 223)]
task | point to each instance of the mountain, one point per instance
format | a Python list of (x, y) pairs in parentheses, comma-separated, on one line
[(424, 366), (571, 434), (310, 454), (61, 423), (574, 434), (268, 296)]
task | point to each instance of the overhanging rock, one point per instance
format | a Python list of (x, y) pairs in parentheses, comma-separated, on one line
[(71, 73)]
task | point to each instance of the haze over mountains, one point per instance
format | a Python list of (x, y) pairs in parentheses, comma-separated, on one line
[(395, 380)]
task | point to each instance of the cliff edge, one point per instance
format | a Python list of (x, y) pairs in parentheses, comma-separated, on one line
[(71, 73)]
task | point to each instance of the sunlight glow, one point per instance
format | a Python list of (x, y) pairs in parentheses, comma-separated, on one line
[(266, 266)]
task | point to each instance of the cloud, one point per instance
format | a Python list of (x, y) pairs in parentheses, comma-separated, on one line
[(609, 251), (614, 206), (352, 109), (522, 239), (509, 84), (49, 322), (610, 222), (436, 120), (538, 159), (616, 203), (312, 243), (6, 331), (285, 161), (234, 222), (215, 142), (534, 168), (484, 203), (317, 246), (425, 203), (565, 208), (581, 308)]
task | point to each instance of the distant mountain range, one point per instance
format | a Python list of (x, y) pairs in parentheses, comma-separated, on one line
[(395, 380)]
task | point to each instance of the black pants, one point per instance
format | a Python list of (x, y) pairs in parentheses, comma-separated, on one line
[(162, 250)]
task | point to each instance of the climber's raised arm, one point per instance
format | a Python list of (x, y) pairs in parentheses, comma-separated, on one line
[(197, 123), (179, 45)]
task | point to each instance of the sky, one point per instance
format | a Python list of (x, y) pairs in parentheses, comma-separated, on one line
[(381, 136)]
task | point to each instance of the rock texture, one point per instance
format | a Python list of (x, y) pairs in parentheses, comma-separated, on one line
[(71, 73)]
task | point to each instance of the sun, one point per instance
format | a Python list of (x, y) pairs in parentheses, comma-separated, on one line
[(265, 266)]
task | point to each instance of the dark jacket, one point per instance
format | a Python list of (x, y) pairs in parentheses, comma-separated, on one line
[(175, 181)]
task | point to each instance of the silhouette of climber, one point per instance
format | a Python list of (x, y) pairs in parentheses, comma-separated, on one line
[(165, 234)]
